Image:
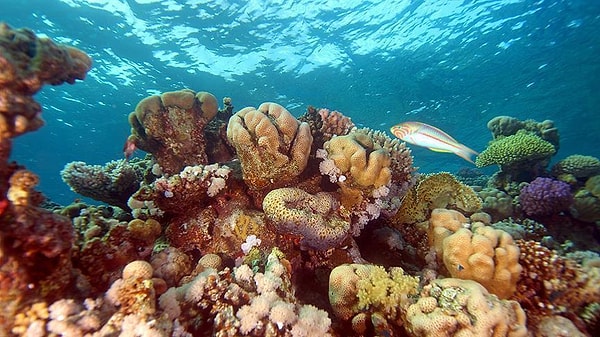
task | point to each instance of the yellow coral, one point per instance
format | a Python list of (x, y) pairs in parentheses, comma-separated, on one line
[(515, 149), (365, 162), (577, 166), (362, 288), (314, 218), (271, 144), (437, 190), (454, 307), (482, 253)]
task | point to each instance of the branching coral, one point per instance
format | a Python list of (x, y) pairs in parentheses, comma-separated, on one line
[(271, 144), (26, 64), (481, 253), (314, 218), (171, 127), (454, 307), (112, 183), (520, 149)]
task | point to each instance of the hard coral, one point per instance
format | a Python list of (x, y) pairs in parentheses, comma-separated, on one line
[(545, 196), (314, 218), (521, 148), (171, 127), (368, 289), (482, 253), (26, 64), (576, 167), (272, 145), (454, 307), (112, 183)]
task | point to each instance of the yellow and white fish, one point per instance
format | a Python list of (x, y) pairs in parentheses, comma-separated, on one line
[(428, 136)]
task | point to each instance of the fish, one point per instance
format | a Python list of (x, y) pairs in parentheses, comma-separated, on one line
[(429, 136), (129, 148)]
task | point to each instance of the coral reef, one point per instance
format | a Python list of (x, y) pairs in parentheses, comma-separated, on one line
[(576, 167), (29, 62), (171, 127), (455, 307), (480, 253), (112, 183), (545, 196), (271, 144), (519, 150), (496, 203)]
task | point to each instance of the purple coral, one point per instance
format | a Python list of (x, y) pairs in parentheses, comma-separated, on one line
[(545, 196)]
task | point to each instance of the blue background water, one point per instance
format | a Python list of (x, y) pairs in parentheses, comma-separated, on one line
[(453, 64)]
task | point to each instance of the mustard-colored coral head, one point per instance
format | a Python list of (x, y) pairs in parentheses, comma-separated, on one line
[(518, 148)]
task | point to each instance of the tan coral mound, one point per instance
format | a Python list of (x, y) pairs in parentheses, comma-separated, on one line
[(481, 253), (171, 127), (454, 307), (363, 162), (271, 144), (314, 218)]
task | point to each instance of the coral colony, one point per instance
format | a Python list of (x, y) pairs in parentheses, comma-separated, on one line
[(257, 223)]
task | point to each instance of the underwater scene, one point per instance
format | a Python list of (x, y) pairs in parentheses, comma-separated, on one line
[(299, 168)]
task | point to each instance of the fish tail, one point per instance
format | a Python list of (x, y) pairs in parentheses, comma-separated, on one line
[(466, 153)]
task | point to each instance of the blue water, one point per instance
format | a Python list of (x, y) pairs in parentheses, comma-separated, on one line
[(453, 64)]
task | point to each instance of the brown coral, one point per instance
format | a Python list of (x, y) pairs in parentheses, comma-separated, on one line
[(171, 127), (271, 144), (26, 64)]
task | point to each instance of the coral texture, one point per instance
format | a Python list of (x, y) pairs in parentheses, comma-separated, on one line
[(271, 144), (454, 307), (518, 149), (26, 64), (545, 196), (112, 183), (368, 289), (481, 253), (314, 218), (575, 167), (171, 127)]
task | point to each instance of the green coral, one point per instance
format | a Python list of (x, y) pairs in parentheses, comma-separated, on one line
[(576, 166), (517, 148)]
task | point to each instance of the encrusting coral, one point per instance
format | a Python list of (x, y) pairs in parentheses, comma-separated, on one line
[(171, 127), (272, 145), (454, 307)]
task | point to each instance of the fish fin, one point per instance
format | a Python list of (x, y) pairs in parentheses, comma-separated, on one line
[(440, 150), (466, 153)]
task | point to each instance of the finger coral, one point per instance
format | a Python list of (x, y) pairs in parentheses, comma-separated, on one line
[(272, 145), (481, 253), (171, 127), (314, 218), (454, 307), (26, 64)]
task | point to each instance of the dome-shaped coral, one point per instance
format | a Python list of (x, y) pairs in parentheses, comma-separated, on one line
[(545, 196), (515, 149)]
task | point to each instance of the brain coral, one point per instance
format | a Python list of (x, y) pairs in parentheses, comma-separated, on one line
[(515, 149), (454, 307), (545, 196), (482, 253), (271, 144), (171, 127), (314, 218)]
